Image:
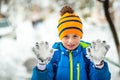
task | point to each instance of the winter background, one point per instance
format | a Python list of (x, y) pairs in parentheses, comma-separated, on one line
[(36, 20)]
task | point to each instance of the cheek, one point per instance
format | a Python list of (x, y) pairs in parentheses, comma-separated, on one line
[(65, 42), (77, 41)]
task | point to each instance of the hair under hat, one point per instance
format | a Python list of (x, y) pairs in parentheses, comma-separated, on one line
[(69, 23)]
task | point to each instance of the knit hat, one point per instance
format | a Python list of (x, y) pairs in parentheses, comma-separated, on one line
[(69, 23)]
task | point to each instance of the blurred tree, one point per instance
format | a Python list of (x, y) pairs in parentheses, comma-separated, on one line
[(0, 5)]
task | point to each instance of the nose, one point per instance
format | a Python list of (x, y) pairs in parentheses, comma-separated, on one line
[(70, 40)]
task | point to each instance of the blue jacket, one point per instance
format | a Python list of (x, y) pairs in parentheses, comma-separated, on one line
[(59, 67)]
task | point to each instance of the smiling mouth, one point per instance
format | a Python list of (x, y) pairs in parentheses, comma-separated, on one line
[(70, 45)]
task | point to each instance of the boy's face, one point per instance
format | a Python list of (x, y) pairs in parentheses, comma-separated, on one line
[(71, 41)]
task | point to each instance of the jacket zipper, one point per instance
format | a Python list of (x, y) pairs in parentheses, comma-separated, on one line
[(71, 68), (78, 71), (71, 65)]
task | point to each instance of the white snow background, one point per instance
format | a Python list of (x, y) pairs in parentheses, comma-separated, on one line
[(13, 53)]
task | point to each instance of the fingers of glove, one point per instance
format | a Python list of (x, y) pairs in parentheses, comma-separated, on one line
[(93, 43), (89, 52), (37, 46), (43, 45), (106, 45), (36, 49), (98, 41), (51, 52), (33, 49), (35, 52), (98, 44), (46, 45), (40, 46), (42, 50), (104, 41)]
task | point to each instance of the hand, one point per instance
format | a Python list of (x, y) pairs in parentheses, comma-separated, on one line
[(97, 51), (42, 52)]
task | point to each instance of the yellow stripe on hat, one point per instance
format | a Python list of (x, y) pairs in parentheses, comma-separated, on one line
[(73, 22), (68, 24), (69, 18)]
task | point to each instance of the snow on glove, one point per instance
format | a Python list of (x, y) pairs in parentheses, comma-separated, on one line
[(43, 53), (96, 53)]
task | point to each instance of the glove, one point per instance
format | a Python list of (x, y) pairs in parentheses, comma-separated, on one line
[(96, 53), (43, 54)]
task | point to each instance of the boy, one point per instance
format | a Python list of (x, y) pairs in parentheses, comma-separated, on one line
[(71, 59)]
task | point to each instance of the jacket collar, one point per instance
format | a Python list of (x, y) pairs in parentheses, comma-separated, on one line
[(59, 46)]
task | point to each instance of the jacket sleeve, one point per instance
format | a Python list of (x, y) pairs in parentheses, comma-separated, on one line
[(43, 75), (50, 72), (99, 74)]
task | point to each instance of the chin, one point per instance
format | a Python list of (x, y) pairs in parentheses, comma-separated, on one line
[(71, 48)]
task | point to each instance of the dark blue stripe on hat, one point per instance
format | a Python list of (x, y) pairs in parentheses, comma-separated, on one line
[(69, 16), (69, 21), (70, 28)]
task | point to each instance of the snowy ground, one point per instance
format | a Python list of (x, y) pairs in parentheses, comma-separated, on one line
[(13, 53)]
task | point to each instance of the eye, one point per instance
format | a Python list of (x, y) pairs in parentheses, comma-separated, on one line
[(66, 36), (75, 36)]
